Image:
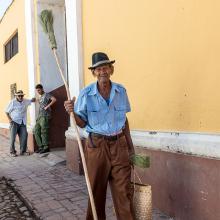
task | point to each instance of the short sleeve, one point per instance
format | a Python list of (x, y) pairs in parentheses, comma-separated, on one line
[(48, 96), (80, 107), (127, 103), (27, 102), (9, 108)]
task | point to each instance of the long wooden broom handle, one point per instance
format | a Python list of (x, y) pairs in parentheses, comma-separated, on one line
[(78, 140)]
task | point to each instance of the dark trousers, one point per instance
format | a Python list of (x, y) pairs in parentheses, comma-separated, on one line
[(21, 130), (108, 162)]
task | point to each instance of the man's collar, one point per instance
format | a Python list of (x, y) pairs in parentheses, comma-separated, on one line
[(115, 87), (42, 94), (93, 89), (19, 101)]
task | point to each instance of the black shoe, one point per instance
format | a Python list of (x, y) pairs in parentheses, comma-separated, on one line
[(44, 150), (26, 153), (13, 154), (38, 150)]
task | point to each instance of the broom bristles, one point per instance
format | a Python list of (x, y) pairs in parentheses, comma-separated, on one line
[(46, 20), (142, 161)]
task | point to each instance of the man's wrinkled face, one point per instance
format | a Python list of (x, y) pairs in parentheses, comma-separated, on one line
[(103, 73), (20, 98), (40, 91)]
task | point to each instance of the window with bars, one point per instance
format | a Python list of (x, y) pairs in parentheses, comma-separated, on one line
[(11, 48)]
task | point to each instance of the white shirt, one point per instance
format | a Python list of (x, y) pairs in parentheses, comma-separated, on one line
[(18, 110)]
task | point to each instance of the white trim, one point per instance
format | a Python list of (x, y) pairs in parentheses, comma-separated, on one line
[(74, 45), (30, 129), (29, 22), (6, 126), (196, 144)]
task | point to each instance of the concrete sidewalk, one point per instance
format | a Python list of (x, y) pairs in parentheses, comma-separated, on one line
[(48, 187)]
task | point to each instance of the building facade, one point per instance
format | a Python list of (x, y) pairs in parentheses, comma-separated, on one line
[(166, 55), (32, 64)]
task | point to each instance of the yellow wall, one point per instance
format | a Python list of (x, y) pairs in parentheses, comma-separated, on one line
[(15, 70), (167, 55)]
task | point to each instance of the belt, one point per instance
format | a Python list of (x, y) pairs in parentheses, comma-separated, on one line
[(106, 137)]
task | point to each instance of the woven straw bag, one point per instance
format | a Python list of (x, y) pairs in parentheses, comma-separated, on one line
[(142, 200)]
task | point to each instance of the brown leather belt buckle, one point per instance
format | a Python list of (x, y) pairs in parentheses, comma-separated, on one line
[(106, 137), (113, 138)]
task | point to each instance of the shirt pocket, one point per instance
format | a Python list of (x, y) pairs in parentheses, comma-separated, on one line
[(19, 109), (120, 112), (93, 115)]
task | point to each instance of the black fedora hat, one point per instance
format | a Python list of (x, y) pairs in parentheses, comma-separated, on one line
[(99, 59)]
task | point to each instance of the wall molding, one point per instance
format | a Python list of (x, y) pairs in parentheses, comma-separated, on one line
[(195, 144), (6, 126), (29, 23)]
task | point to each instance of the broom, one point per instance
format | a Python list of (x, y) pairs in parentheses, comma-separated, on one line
[(46, 18), (140, 160)]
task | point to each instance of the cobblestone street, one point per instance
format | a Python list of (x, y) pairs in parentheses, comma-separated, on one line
[(11, 207), (48, 188)]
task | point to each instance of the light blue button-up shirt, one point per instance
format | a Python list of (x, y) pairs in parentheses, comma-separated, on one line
[(18, 110), (103, 118)]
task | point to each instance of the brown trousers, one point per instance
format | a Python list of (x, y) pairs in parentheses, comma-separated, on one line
[(108, 162)]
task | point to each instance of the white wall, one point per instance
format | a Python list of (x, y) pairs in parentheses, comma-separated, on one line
[(49, 74), (74, 45), (31, 55)]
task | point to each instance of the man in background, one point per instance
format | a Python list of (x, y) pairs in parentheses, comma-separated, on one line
[(41, 130), (16, 112)]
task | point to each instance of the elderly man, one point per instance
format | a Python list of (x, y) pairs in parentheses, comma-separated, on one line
[(101, 107), (16, 112)]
